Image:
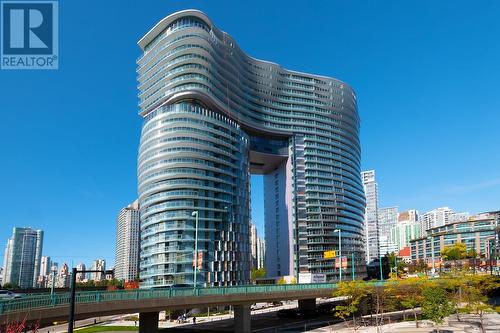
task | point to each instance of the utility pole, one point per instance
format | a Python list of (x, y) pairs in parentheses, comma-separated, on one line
[(71, 319), (380, 266)]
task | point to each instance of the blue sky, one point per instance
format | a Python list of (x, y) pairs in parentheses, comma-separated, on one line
[(427, 76)]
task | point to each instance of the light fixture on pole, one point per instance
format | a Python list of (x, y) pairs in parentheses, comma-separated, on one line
[(195, 214), (431, 238), (53, 274), (340, 253)]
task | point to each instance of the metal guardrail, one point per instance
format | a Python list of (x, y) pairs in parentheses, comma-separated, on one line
[(41, 301)]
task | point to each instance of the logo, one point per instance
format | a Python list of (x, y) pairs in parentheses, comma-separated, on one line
[(29, 35)]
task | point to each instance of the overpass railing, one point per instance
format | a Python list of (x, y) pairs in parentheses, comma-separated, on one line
[(39, 301)]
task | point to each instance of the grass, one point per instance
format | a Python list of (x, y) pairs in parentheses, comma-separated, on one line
[(95, 329)]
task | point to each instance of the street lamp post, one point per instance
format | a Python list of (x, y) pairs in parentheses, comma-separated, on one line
[(71, 320), (195, 214), (432, 254), (53, 273), (340, 253)]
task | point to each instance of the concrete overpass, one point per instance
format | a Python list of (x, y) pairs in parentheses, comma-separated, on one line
[(149, 302)]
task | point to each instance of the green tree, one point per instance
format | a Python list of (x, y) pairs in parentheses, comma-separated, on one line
[(397, 266), (436, 305), (410, 293), (419, 267), (471, 253), (9, 285), (257, 273), (454, 252), (355, 292)]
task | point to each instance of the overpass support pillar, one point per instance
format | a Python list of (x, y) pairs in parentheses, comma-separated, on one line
[(307, 304), (242, 318), (148, 322)]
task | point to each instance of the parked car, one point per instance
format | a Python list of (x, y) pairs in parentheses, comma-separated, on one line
[(258, 306), (7, 294)]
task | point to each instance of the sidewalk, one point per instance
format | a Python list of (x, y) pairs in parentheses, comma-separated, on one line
[(468, 324)]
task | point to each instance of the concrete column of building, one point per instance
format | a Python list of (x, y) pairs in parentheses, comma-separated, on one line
[(148, 322), (242, 318), (307, 304)]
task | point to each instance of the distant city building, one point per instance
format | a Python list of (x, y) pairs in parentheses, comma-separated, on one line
[(51, 279), (127, 243), (80, 277), (253, 246), (387, 219), (405, 255), (435, 218), (261, 252), (408, 216), (23, 257), (45, 264), (479, 233), (458, 217), (406, 229), (63, 278), (371, 215), (98, 265)]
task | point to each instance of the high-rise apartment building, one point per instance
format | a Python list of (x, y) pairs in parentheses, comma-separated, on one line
[(406, 229), (127, 243), (80, 277), (371, 216), (98, 265), (439, 217), (212, 115), (387, 219), (45, 264), (23, 257), (261, 253), (254, 241), (63, 277)]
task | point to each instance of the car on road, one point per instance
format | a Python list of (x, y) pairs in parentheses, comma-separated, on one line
[(7, 294), (258, 306)]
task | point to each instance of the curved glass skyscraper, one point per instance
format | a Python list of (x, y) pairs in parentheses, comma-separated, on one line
[(213, 115)]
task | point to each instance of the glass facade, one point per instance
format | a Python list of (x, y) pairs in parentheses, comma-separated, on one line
[(212, 115), (476, 233), (23, 256)]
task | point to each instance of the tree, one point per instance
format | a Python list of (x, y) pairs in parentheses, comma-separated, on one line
[(356, 291), (436, 304), (410, 293), (475, 291), (419, 267), (454, 252), (381, 297), (10, 286), (257, 273), (397, 266), (471, 253)]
